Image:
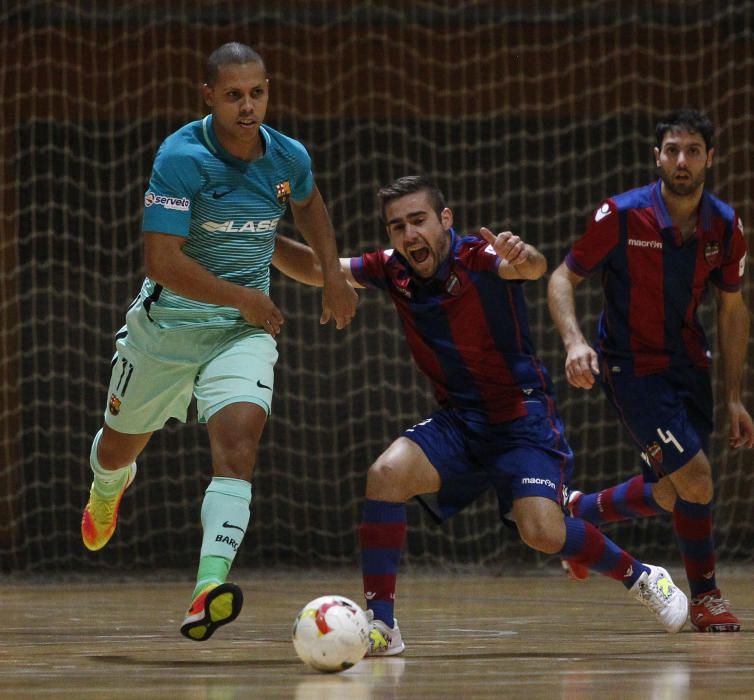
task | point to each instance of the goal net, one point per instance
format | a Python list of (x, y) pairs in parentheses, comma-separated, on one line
[(526, 113)]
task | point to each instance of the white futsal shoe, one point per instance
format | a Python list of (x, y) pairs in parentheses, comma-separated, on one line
[(383, 640), (657, 591)]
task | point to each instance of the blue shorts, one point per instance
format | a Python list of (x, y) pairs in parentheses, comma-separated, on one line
[(528, 456), (668, 415)]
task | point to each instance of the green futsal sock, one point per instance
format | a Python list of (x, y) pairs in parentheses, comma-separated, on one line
[(225, 517), (107, 482)]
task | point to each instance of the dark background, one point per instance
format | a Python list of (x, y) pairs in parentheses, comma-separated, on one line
[(526, 113)]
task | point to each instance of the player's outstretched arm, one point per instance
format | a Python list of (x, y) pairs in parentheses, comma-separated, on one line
[(298, 261), (167, 265), (519, 260), (733, 339), (581, 363), (339, 300)]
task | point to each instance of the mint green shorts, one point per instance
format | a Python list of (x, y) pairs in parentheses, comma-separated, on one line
[(156, 371)]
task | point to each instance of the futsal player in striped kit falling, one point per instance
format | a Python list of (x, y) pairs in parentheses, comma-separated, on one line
[(461, 305), (658, 249)]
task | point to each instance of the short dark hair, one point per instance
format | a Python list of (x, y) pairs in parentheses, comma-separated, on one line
[(232, 52), (408, 185), (686, 119)]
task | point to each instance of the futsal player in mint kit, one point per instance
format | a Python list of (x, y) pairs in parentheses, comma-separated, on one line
[(203, 323)]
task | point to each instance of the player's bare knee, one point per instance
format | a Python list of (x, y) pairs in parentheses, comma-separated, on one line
[(234, 460), (697, 491), (385, 483), (116, 450), (381, 479), (538, 535), (110, 458), (693, 482), (664, 494)]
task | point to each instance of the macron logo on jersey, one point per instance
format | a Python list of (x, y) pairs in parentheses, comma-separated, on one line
[(645, 244), (263, 226), (177, 203)]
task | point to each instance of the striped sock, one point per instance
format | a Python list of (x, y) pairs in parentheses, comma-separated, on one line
[(381, 535), (692, 523), (627, 501), (587, 546)]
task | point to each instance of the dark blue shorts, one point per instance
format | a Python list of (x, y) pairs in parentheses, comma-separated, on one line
[(528, 456), (668, 415)]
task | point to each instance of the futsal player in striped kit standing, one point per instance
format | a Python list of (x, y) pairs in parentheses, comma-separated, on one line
[(204, 324), (461, 304), (658, 249)]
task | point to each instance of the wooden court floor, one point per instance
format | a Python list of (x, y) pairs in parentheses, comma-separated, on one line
[(467, 636)]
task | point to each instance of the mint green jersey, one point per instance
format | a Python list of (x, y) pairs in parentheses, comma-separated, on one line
[(227, 209)]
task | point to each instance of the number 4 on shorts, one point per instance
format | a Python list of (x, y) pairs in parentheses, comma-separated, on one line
[(668, 437)]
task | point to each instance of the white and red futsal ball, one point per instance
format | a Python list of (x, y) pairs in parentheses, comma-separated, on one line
[(331, 633)]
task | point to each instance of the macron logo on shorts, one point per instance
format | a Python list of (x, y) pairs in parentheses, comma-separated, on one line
[(538, 482)]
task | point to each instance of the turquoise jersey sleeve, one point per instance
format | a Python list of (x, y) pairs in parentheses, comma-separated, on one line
[(303, 185), (176, 178)]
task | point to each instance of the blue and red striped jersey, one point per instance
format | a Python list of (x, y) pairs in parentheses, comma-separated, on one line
[(466, 328), (653, 280)]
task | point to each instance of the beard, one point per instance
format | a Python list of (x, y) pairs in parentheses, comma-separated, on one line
[(681, 189)]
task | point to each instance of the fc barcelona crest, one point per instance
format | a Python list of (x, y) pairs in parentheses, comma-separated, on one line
[(283, 192), (712, 252), (114, 405)]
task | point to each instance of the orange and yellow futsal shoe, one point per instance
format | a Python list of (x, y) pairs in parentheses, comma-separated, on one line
[(101, 515), (217, 605)]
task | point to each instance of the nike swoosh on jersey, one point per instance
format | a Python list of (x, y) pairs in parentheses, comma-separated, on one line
[(218, 195)]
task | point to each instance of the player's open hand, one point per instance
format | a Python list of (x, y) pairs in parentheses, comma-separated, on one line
[(741, 426), (581, 366), (259, 310), (506, 245), (339, 301)]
